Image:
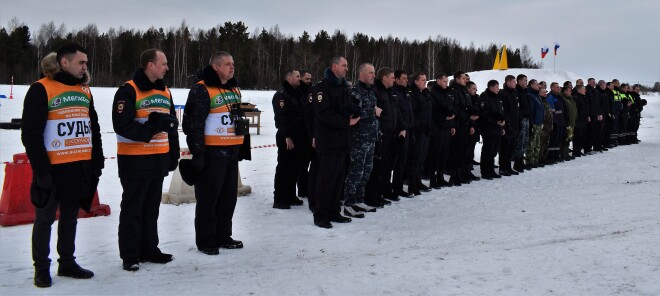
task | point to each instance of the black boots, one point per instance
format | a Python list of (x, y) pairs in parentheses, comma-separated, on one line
[(519, 164), (74, 271), (42, 279)]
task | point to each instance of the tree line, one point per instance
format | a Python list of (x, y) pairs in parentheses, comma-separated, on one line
[(261, 56)]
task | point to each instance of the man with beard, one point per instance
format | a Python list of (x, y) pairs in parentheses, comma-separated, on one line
[(443, 119), (291, 139), (334, 114), (303, 181), (311, 161), (64, 177), (145, 121)]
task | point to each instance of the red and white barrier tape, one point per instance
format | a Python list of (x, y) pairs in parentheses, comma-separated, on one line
[(183, 153)]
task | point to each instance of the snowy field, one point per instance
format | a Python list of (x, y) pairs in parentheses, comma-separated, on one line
[(585, 227)]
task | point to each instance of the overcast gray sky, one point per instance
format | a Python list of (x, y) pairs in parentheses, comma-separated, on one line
[(604, 39)]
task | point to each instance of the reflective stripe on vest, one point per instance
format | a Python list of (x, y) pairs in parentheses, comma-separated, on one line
[(68, 132), (146, 102), (617, 95), (219, 125)]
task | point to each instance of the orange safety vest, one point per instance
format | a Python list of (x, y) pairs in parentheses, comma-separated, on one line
[(146, 102), (219, 125), (68, 132)]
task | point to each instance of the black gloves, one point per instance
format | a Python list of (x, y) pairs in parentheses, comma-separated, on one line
[(42, 190), (198, 162), (45, 182), (173, 164), (163, 121), (351, 110)]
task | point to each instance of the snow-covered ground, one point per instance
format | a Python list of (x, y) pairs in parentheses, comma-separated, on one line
[(586, 227)]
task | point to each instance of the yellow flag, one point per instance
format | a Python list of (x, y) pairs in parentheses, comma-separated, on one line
[(504, 65), (496, 65)]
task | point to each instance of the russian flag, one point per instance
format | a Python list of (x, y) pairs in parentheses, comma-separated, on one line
[(544, 51), (556, 47)]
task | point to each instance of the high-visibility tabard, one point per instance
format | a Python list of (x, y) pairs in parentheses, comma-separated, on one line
[(219, 125), (68, 132), (146, 102)]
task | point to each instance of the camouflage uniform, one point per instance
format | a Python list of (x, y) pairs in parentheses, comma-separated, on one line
[(364, 136), (536, 120), (571, 116), (545, 132)]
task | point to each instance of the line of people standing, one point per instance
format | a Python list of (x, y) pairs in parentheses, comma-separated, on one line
[(385, 130)]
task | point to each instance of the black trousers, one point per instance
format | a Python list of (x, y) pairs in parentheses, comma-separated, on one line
[(489, 150), (216, 194), (400, 157), (580, 137), (287, 171), (311, 185), (507, 145), (441, 152), (380, 180), (303, 169), (68, 198), (138, 219), (458, 149), (330, 185), (624, 119), (614, 130), (418, 159), (556, 138)]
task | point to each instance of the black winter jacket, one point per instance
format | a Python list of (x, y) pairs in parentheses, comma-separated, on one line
[(443, 106), (511, 103), (491, 111), (35, 115), (124, 124), (331, 124), (288, 107), (422, 108), (387, 100), (406, 119), (197, 110)]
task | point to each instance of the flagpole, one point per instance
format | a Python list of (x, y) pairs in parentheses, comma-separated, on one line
[(554, 64)]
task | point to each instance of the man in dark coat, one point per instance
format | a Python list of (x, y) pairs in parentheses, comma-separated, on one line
[(379, 186), (491, 121), (511, 103), (65, 154), (145, 122), (422, 109), (291, 139), (443, 120), (406, 127), (334, 114), (209, 122)]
